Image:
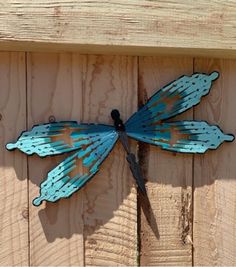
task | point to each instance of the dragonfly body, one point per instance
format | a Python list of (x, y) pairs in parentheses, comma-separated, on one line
[(92, 143), (133, 164)]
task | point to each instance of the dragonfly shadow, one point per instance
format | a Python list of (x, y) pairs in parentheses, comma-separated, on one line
[(68, 217), (62, 219), (90, 210), (109, 196)]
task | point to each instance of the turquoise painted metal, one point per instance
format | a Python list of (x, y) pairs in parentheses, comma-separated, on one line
[(92, 143)]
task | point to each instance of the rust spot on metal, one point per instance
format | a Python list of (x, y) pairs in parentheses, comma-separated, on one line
[(176, 135), (64, 135)]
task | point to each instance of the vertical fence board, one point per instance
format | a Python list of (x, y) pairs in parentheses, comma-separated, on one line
[(13, 166), (54, 89), (169, 178), (98, 225), (215, 173), (110, 198)]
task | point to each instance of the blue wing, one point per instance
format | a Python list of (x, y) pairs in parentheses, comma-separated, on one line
[(172, 100), (72, 173), (59, 137), (148, 124), (182, 136)]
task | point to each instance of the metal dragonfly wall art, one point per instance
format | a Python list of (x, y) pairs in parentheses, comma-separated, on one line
[(92, 143)]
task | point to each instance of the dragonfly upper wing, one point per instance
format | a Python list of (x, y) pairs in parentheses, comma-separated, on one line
[(172, 99), (72, 173), (59, 137), (182, 136)]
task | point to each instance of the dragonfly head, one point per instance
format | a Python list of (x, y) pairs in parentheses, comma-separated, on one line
[(118, 123)]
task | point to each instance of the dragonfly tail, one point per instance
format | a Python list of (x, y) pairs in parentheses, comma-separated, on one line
[(136, 171)]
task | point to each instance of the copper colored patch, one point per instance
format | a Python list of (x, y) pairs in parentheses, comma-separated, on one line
[(79, 169), (64, 135), (169, 101), (176, 135), (157, 123)]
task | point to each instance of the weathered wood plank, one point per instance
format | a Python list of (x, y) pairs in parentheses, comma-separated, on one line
[(130, 27), (169, 179), (54, 89), (13, 166), (214, 173), (110, 217)]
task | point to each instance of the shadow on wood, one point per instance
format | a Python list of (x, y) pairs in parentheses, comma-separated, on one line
[(145, 205)]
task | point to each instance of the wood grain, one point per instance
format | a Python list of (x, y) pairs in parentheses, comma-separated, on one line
[(169, 179), (54, 89), (98, 225), (13, 165), (215, 173), (130, 27), (110, 217)]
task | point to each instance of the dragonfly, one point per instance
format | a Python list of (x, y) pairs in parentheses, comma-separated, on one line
[(90, 144)]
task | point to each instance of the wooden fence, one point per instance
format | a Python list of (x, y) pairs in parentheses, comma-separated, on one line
[(192, 219)]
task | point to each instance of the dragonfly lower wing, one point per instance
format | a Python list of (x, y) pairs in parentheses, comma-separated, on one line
[(182, 136), (73, 173)]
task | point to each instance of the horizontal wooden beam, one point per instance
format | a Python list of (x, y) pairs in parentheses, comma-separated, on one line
[(138, 27)]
